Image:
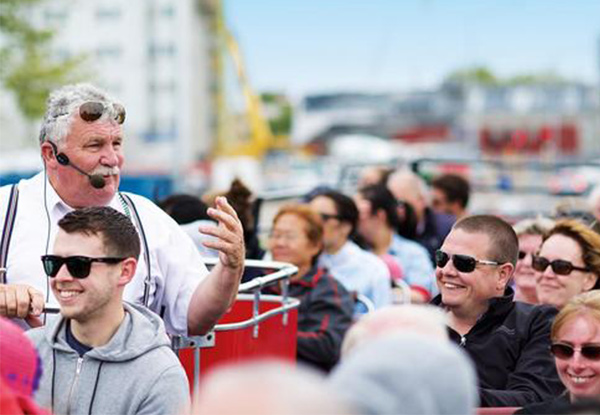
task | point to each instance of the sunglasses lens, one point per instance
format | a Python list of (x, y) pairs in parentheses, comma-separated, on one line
[(464, 263), (91, 111), (120, 113), (561, 267), (539, 263), (441, 258), (522, 254), (591, 352), (51, 265), (562, 351), (79, 267)]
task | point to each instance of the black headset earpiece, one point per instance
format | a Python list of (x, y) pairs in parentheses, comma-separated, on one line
[(62, 158)]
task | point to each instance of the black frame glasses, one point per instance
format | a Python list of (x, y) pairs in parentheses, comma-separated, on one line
[(326, 216), (559, 266), (565, 351), (92, 111), (78, 266), (463, 263)]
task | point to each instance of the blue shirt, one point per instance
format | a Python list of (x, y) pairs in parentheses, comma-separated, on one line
[(415, 263), (360, 271)]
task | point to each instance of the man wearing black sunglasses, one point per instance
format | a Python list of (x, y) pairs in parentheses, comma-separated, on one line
[(507, 340), (103, 355), (81, 143)]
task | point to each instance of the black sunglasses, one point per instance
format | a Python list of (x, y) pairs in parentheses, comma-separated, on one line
[(566, 351), (327, 216), (462, 263), (78, 266), (91, 111), (559, 266)]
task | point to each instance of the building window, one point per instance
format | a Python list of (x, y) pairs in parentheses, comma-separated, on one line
[(108, 13), (156, 51), (111, 52), (167, 11)]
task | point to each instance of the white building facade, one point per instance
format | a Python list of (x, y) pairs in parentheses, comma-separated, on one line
[(152, 55)]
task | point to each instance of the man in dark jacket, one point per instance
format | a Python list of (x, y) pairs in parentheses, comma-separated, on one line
[(508, 341)]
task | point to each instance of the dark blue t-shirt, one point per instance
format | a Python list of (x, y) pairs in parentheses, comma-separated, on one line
[(75, 344)]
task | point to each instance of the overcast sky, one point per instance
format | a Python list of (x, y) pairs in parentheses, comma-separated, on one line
[(300, 46)]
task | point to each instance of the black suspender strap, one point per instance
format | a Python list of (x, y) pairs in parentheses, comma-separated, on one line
[(9, 222), (138, 223)]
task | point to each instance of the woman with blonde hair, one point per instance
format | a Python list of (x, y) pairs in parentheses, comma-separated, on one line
[(575, 339), (568, 263)]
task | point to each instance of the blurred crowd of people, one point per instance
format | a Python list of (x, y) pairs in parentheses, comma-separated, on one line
[(409, 302)]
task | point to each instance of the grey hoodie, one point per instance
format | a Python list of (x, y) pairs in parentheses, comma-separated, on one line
[(136, 372)]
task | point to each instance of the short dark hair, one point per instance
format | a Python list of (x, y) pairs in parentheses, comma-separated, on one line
[(184, 208), (116, 230), (345, 208), (455, 187), (504, 244), (382, 199)]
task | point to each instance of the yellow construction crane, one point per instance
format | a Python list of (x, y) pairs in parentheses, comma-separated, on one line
[(231, 139)]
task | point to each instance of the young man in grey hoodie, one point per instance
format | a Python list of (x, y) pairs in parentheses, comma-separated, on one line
[(103, 355)]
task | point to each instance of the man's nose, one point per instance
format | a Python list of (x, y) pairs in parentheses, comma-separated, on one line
[(63, 274), (110, 157)]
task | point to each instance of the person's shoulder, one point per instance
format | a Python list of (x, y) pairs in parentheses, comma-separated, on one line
[(413, 247), (535, 311)]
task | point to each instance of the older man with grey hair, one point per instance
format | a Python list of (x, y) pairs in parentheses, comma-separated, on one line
[(81, 143)]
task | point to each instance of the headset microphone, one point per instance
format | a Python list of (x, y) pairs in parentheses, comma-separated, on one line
[(96, 180)]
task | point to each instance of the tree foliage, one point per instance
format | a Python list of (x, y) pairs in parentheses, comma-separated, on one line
[(484, 76), (28, 68)]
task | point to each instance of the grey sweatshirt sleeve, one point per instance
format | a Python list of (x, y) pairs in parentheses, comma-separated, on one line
[(169, 394)]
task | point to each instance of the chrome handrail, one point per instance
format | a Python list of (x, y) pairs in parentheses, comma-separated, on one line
[(290, 304)]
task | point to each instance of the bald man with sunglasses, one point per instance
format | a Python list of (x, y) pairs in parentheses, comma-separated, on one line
[(81, 144), (507, 340)]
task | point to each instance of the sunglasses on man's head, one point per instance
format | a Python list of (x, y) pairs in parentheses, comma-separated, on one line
[(78, 266), (91, 111), (559, 266), (463, 263), (565, 351)]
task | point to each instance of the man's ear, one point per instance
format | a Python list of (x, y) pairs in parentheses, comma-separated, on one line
[(505, 272), (48, 155), (128, 267)]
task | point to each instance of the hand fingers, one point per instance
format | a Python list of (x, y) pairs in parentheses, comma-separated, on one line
[(37, 302), (231, 222), (19, 300), (222, 204), (220, 233), (23, 300), (3, 308)]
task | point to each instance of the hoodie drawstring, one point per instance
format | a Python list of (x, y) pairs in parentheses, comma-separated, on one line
[(95, 387), (53, 376)]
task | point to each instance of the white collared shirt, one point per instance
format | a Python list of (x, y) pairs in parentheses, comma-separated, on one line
[(176, 265), (360, 271)]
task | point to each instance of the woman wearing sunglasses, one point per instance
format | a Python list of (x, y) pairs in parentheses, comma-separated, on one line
[(568, 263), (576, 348), (530, 233)]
